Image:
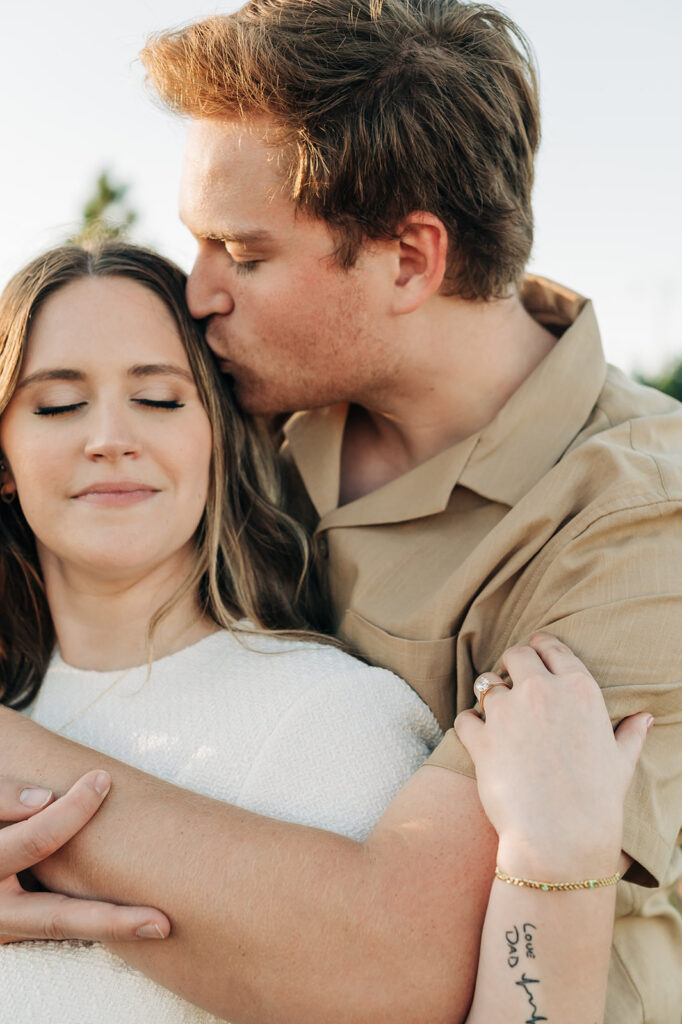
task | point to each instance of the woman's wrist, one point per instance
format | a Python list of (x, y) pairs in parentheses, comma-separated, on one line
[(551, 861)]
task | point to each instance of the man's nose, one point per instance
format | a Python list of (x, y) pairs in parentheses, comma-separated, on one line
[(111, 436), (207, 290)]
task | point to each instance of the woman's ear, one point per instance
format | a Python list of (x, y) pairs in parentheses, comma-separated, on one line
[(8, 488), (422, 258)]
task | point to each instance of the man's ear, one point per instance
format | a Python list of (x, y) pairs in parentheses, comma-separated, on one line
[(422, 256)]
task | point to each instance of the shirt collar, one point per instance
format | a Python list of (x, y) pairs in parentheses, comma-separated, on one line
[(503, 460), (540, 420)]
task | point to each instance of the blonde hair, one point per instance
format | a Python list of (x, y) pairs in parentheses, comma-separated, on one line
[(386, 107), (253, 558)]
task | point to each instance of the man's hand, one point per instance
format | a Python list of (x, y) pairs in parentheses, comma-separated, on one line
[(40, 828)]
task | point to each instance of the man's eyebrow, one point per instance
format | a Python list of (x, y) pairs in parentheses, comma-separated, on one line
[(59, 373), (255, 236), (160, 369)]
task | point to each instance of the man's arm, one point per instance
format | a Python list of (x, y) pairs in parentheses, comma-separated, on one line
[(613, 595), (275, 922)]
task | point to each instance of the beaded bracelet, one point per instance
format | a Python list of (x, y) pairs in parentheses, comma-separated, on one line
[(527, 883)]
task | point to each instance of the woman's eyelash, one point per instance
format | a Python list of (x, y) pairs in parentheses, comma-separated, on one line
[(55, 410), (158, 403), (150, 403)]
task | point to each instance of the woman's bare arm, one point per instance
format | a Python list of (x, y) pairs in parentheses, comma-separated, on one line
[(38, 828), (273, 922), (558, 811)]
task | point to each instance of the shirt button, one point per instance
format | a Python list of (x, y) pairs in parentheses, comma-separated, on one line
[(323, 547)]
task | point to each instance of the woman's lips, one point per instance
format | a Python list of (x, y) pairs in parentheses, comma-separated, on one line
[(116, 494)]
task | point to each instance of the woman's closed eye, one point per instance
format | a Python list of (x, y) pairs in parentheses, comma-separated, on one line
[(160, 403), (57, 410), (148, 403)]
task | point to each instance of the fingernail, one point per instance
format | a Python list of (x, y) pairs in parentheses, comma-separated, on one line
[(649, 722), (102, 783), (34, 797), (149, 931)]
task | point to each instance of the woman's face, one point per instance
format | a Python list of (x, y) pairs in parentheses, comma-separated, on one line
[(105, 436)]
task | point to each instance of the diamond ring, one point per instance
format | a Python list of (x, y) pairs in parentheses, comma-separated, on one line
[(483, 686)]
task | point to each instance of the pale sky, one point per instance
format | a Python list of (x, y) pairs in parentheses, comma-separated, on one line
[(608, 198)]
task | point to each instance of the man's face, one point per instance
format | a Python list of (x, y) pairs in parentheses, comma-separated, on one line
[(294, 329)]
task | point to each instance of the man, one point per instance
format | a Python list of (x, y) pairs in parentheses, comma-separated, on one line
[(358, 178)]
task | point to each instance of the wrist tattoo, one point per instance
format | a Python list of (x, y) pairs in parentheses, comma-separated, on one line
[(516, 939), (520, 946)]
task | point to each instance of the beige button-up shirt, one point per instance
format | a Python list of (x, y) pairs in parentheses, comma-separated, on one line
[(563, 514)]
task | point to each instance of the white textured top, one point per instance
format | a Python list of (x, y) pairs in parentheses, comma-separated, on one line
[(289, 729)]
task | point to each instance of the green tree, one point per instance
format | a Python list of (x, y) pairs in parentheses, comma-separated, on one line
[(106, 213), (668, 380)]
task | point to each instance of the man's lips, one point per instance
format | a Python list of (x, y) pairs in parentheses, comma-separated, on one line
[(218, 347), (119, 492)]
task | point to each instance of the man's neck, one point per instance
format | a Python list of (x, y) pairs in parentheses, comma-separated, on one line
[(461, 362)]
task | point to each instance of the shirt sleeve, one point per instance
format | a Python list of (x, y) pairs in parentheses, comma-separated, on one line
[(342, 751), (613, 593)]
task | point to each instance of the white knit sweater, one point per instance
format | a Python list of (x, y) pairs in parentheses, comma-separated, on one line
[(292, 730)]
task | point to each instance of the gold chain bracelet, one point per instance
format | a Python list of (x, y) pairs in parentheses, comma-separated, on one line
[(527, 883)]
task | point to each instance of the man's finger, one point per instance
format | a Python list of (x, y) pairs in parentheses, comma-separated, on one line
[(49, 916), (19, 800), (27, 842), (558, 658)]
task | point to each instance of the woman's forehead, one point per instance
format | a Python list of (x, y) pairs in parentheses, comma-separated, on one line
[(108, 319)]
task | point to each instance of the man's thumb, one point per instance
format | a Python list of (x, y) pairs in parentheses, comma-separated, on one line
[(631, 735)]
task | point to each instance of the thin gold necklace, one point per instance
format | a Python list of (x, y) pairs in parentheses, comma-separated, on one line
[(120, 678), (97, 699)]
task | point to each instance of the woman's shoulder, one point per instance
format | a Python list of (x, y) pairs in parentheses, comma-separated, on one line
[(328, 675), (300, 664)]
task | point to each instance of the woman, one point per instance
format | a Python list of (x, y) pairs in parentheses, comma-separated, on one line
[(142, 531)]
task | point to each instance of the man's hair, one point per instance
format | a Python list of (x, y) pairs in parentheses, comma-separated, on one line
[(386, 107)]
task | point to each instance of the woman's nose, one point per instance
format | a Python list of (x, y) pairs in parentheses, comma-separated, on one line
[(112, 437), (207, 285)]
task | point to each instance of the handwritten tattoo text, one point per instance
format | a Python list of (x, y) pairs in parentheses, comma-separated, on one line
[(513, 937), (520, 944)]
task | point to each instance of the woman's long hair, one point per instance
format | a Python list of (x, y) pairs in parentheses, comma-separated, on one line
[(252, 557)]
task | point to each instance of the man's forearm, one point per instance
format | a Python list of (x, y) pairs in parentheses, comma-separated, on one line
[(277, 922)]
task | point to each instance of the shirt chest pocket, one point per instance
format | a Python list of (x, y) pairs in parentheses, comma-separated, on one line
[(427, 665)]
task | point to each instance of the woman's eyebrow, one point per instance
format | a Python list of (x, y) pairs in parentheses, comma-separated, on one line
[(160, 369), (59, 373), (139, 370)]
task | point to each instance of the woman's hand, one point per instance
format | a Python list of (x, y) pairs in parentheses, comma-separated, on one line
[(552, 775), (40, 828)]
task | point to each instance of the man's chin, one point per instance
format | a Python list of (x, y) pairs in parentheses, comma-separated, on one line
[(255, 400)]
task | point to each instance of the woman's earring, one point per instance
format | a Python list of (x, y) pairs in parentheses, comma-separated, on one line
[(7, 494)]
